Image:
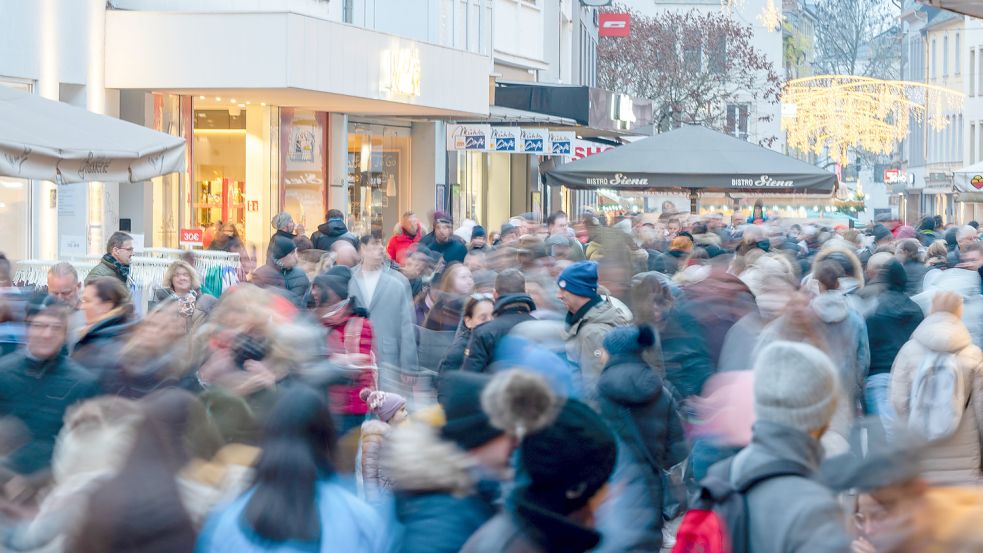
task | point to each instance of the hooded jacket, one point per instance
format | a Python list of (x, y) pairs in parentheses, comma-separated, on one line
[(452, 250), (292, 280), (788, 514), (402, 243), (330, 232), (510, 310), (372, 438), (956, 459), (644, 416), (893, 321), (843, 333), (438, 502), (584, 342)]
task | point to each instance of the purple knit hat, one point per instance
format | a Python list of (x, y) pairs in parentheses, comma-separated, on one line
[(383, 404)]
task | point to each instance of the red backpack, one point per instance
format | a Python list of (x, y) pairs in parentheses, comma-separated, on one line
[(718, 522)]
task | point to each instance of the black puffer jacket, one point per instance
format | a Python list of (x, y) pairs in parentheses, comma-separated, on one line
[(510, 310), (330, 232), (893, 321), (454, 358), (292, 280), (452, 250), (641, 411)]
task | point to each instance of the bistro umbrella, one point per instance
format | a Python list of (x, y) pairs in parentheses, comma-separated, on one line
[(47, 140), (696, 159)]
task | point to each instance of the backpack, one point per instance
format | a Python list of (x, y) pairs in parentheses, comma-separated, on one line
[(718, 522), (938, 397)]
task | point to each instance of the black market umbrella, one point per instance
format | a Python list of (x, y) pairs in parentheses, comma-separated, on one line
[(695, 159)]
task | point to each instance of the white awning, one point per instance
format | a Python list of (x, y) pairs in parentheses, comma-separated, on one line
[(969, 178), (47, 140), (968, 7)]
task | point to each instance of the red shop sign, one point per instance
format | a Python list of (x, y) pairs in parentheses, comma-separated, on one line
[(191, 237), (614, 24)]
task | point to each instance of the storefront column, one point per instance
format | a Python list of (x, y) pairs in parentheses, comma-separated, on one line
[(260, 186), (338, 162), (429, 167)]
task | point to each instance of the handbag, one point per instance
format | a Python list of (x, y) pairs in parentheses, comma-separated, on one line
[(674, 485)]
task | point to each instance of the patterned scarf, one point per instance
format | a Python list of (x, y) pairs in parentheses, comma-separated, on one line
[(122, 270)]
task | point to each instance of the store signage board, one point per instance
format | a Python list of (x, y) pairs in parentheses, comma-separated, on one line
[(535, 141), (586, 148), (469, 137), (614, 25), (891, 175), (561, 143), (191, 237), (400, 73), (71, 244), (506, 139)]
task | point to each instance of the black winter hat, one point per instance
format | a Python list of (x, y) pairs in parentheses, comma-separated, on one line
[(467, 423), (335, 279), (282, 247), (569, 460), (478, 231)]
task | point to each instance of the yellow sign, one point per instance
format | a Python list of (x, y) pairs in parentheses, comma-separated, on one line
[(400, 72)]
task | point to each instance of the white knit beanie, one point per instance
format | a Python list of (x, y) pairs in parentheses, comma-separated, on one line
[(795, 385)]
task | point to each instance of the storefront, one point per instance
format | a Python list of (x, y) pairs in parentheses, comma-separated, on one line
[(271, 127)]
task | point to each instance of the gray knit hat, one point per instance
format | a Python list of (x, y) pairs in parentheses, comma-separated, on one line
[(795, 385)]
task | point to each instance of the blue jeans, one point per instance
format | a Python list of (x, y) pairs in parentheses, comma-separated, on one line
[(877, 397)]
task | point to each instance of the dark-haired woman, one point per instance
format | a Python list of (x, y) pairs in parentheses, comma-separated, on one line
[(295, 504), (108, 323), (644, 416), (477, 310)]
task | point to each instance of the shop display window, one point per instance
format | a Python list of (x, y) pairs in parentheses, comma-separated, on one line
[(378, 177), (219, 189), (303, 168)]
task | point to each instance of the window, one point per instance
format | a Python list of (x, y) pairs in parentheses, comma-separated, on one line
[(959, 140), (972, 143), (737, 120), (972, 73), (945, 56), (958, 57), (717, 54), (933, 63)]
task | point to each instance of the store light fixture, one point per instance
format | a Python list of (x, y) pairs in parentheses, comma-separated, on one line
[(218, 98), (242, 105), (201, 97), (232, 100), (262, 104)]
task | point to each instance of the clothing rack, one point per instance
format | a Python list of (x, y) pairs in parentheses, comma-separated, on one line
[(204, 259), (34, 272)]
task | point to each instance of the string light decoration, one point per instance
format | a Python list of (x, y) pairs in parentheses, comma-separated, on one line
[(771, 17), (840, 112)]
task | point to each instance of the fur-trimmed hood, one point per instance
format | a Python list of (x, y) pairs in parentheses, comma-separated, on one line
[(844, 249), (417, 459)]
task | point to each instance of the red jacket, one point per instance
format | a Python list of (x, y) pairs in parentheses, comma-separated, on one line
[(349, 334), (401, 244)]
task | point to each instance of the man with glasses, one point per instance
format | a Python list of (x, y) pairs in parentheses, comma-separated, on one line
[(38, 383), (64, 286), (116, 262)]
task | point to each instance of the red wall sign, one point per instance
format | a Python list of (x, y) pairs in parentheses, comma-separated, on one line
[(191, 237), (614, 24)]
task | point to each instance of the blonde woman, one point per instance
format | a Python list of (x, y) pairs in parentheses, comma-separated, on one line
[(181, 282)]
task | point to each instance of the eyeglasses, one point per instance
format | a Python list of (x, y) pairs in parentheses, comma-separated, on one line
[(130, 249), (38, 326)]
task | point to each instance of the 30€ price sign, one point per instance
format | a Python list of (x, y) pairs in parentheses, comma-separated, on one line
[(191, 237)]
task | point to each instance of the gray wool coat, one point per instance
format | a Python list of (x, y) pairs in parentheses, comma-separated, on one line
[(391, 314), (789, 514)]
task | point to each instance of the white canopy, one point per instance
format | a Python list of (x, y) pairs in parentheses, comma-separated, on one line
[(969, 178), (46, 140)]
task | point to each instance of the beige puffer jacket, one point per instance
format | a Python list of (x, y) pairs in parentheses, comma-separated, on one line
[(374, 483), (958, 458)]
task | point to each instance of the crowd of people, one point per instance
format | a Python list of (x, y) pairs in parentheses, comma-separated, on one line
[(559, 385)]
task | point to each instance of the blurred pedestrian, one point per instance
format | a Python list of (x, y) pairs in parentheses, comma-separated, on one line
[(386, 294), (109, 321), (478, 309), (296, 502), (937, 392), (443, 241), (567, 466), (38, 384), (333, 230), (794, 400), (349, 341), (64, 285), (589, 317), (116, 261), (512, 307), (390, 411), (644, 415), (281, 271)]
